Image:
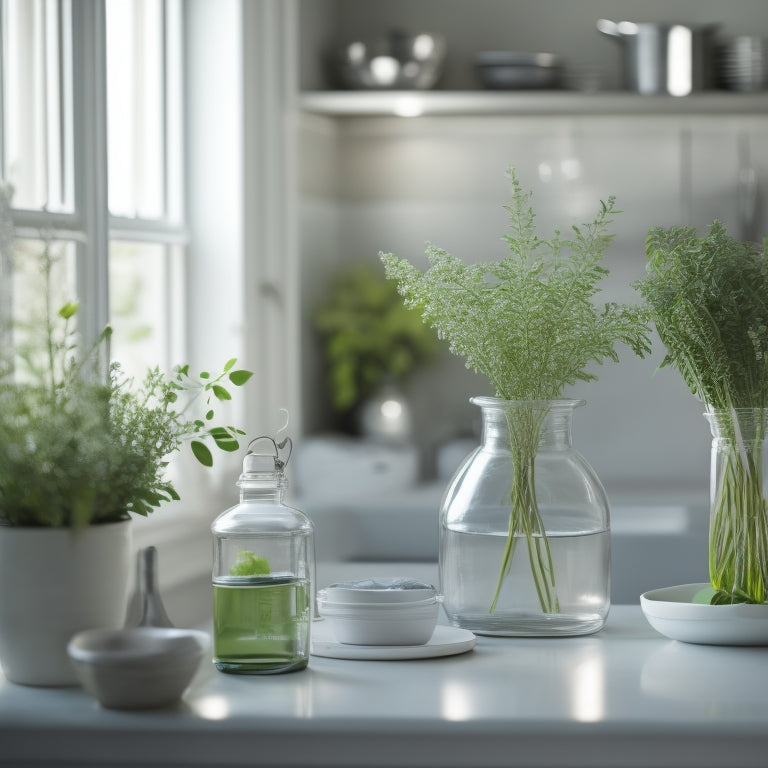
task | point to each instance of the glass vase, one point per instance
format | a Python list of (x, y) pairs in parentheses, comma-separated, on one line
[(524, 528), (738, 522)]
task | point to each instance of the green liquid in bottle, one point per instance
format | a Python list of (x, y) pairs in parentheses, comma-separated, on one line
[(260, 624)]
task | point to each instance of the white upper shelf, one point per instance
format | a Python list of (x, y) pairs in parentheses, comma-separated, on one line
[(415, 103)]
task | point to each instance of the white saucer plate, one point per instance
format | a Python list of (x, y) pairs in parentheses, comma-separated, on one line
[(445, 641), (671, 612)]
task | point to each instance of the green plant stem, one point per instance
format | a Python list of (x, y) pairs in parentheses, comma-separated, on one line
[(738, 540), (49, 330), (524, 424)]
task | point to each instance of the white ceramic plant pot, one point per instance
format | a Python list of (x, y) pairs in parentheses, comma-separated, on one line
[(55, 582)]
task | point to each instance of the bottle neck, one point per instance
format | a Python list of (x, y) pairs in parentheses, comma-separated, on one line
[(531, 426), (262, 487)]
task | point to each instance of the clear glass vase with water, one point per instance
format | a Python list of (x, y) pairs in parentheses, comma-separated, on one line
[(525, 528)]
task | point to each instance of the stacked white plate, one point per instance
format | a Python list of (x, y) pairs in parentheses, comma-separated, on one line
[(743, 64)]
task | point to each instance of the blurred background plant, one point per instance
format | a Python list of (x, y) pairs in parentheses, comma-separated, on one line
[(370, 337)]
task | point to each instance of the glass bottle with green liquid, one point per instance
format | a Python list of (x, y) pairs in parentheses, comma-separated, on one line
[(263, 571)]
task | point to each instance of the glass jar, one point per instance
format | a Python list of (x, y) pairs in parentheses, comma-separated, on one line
[(524, 528), (263, 572), (738, 521)]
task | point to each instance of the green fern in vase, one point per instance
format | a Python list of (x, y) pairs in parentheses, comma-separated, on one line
[(529, 323), (708, 298)]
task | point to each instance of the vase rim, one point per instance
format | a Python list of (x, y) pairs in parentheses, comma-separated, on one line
[(712, 411), (497, 402)]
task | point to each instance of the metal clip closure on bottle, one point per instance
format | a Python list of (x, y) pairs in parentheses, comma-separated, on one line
[(274, 460), (268, 463)]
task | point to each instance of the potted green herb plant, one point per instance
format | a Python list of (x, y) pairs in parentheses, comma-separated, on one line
[(530, 324), (81, 451), (371, 340), (708, 298)]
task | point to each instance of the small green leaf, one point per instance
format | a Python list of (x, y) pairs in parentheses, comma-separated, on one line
[(230, 445), (229, 364), (209, 415), (224, 439), (202, 453), (221, 393), (238, 378), (68, 310), (205, 375), (171, 397)]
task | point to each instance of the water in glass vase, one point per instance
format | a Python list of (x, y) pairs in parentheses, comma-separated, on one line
[(470, 564), (261, 624)]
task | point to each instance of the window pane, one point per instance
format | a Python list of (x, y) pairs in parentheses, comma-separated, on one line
[(43, 281), (135, 108), (37, 113), (145, 305)]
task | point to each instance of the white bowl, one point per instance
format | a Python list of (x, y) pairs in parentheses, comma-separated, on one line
[(137, 668), (380, 611), (379, 590), (671, 612)]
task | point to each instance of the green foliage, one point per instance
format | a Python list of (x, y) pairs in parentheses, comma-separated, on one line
[(528, 321), (708, 298), (78, 448), (369, 336)]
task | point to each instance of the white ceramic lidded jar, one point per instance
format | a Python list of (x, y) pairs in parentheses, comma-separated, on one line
[(263, 571)]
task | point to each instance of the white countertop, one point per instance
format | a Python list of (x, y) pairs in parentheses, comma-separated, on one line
[(625, 696)]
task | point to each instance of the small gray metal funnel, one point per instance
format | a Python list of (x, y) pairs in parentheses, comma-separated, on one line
[(146, 609)]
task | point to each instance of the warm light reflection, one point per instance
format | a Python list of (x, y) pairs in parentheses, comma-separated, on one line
[(211, 707), (423, 46), (408, 106), (456, 703), (679, 61), (391, 409), (545, 171), (384, 69), (571, 168), (589, 690), (627, 28)]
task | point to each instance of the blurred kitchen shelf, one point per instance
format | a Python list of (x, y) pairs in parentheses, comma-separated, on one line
[(466, 103)]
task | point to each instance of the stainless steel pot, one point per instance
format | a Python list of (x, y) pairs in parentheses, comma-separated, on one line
[(675, 59)]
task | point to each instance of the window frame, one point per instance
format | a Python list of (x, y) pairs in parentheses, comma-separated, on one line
[(90, 225), (240, 93)]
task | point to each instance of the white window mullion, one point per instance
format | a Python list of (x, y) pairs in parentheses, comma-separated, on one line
[(66, 143), (52, 97), (174, 111), (123, 228), (90, 162)]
